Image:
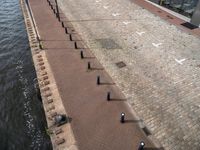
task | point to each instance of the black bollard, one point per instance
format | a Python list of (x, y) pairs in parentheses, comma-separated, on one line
[(66, 31), (122, 117), (108, 96), (98, 80), (75, 45), (82, 56), (141, 146), (70, 37), (57, 11), (63, 24), (89, 66)]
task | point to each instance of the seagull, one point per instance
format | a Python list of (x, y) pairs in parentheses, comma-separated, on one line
[(115, 14), (126, 22), (140, 33), (180, 61), (105, 7), (156, 45)]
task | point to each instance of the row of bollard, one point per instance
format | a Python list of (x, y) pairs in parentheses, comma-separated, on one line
[(98, 82)]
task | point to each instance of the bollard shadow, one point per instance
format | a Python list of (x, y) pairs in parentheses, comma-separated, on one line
[(95, 68), (105, 83), (88, 57), (132, 121), (117, 99), (151, 148)]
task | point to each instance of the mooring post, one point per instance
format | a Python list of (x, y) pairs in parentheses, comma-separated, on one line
[(108, 96), (70, 37), (141, 145), (75, 44), (82, 56), (122, 117), (49, 2), (98, 80), (89, 66), (63, 24), (58, 15)]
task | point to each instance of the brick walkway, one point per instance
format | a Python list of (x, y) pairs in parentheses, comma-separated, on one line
[(95, 121)]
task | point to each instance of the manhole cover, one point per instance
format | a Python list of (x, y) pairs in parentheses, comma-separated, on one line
[(120, 64), (108, 44)]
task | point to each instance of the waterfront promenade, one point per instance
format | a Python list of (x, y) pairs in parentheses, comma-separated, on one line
[(95, 121)]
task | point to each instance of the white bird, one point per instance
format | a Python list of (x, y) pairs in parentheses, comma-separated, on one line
[(105, 7), (180, 61), (126, 22), (140, 33), (115, 14), (156, 45)]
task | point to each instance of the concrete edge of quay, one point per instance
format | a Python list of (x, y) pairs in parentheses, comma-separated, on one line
[(52, 103)]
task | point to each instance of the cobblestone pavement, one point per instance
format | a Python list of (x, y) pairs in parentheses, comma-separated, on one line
[(161, 77)]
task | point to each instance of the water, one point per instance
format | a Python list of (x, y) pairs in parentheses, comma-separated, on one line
[(22, 120)]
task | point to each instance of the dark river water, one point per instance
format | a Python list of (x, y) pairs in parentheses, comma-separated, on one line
[(22, 120)]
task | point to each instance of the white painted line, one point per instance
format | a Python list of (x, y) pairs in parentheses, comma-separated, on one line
[(140, 33), (126, 22), (105, 7), (156, 45), (115, 14), (180, 61)]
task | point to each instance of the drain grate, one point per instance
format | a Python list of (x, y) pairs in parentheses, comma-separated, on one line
[(189, 25), (120, 64), (146, 131), (108, 44)]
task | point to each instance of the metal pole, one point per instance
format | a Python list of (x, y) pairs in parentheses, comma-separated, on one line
[(58, 15)]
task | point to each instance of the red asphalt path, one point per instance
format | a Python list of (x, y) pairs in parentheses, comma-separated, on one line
[(95, 121)]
